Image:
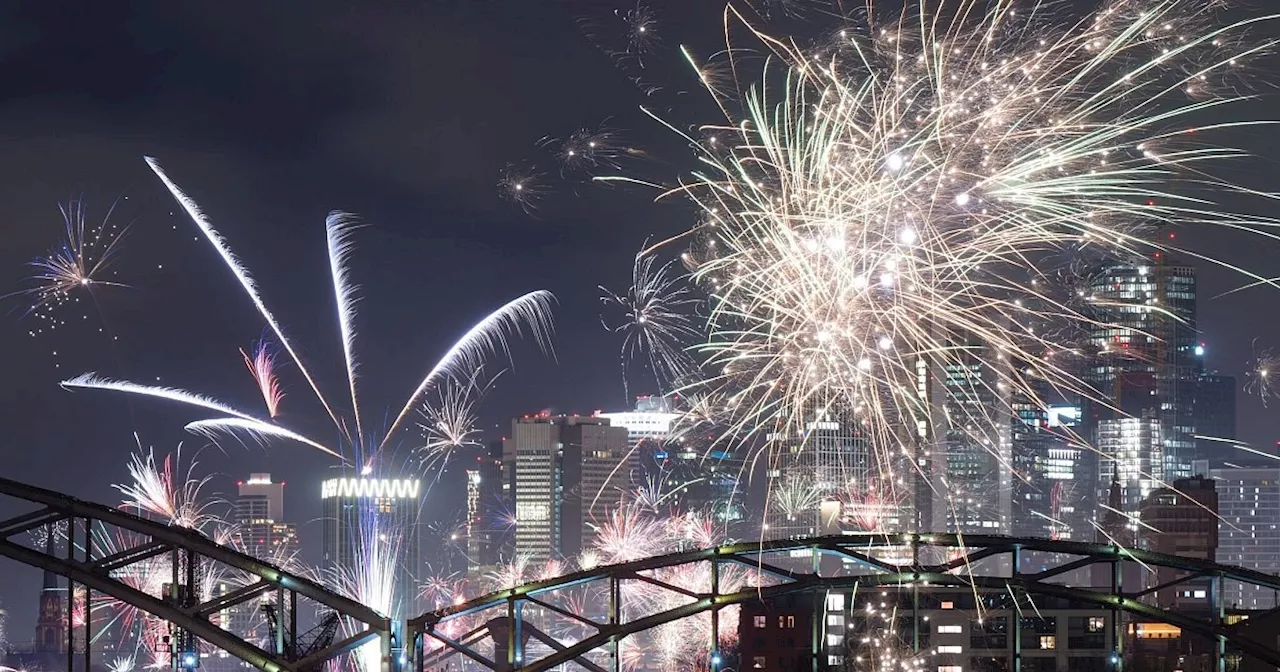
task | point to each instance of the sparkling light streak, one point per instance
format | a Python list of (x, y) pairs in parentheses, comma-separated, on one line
[(488, 337)]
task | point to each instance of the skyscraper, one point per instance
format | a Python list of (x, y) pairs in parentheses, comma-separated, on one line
[(1147, 362), (1050, 495), (262, 533), (648, 428), (1249, 530), (969, 474), (566, 474), (1214, 411), (371, 528), (819, 470)]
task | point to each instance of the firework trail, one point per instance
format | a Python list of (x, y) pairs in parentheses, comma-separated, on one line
[(530, 312), (655, 318), (1264, 370), (878, 205), (371, 580), (262, 365)]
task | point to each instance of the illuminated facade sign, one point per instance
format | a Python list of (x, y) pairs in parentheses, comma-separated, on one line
[(370, 488)]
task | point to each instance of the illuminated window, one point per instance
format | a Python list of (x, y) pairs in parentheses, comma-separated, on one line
[(1199, 595), (948, 605), (950, 629), (951, 649), (835, 602), (950, 668), (757, 662), (1096, 623), (1048, 642), (759, 621)]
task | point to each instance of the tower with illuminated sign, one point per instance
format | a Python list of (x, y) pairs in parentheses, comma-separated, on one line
[(367, 517)]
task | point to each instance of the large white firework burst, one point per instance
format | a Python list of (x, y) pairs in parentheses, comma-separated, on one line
[(897, 200)]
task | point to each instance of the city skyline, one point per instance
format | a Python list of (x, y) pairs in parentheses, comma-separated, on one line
[(867, 354)]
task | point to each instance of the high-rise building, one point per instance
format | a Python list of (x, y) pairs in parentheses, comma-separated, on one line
[(372, 525), (648, 428), (819, 469), (1213, 407), (260, 527), (1050, 494), (566, 474), (1249, 530), (1132, 456), (970, 472), (262, 533), (1181, 520), (1147, 364)]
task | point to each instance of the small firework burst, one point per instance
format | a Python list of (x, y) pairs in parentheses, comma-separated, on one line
[(641, 30), (522, 185), (655, 317), (1263, 374), (76, 266), (449, 420)]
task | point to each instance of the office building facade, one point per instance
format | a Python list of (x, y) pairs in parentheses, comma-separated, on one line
[(1147, 362), (565, 475), (1249, 530)]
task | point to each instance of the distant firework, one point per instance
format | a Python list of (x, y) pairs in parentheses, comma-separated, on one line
[(656, 319), (67, 278)]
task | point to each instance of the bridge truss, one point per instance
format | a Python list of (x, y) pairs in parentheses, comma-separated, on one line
[(498, 631), (86, 563)]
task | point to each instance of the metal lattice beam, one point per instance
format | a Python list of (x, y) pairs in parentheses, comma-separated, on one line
[(882, 573), (95, 574)]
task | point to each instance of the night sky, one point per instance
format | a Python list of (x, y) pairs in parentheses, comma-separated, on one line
[(270, 115)]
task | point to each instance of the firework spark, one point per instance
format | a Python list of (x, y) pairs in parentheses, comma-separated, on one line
[(522, 185), (489, 336), (263, 367)]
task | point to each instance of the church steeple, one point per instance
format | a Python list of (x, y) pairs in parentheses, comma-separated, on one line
[(51, 624)]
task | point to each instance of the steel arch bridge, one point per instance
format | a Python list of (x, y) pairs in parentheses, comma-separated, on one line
[(911, 562), (83, 565)]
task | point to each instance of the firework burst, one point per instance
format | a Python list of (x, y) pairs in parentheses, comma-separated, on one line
[(449, 420), (77, 265), (1264, 371), (530, 313), (654, 317), (164, 491), (879, 205)]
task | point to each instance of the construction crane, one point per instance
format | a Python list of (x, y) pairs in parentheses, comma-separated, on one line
[(298, 648)]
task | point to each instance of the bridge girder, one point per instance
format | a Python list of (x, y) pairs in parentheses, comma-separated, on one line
[(969, 549), (96, 574)]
